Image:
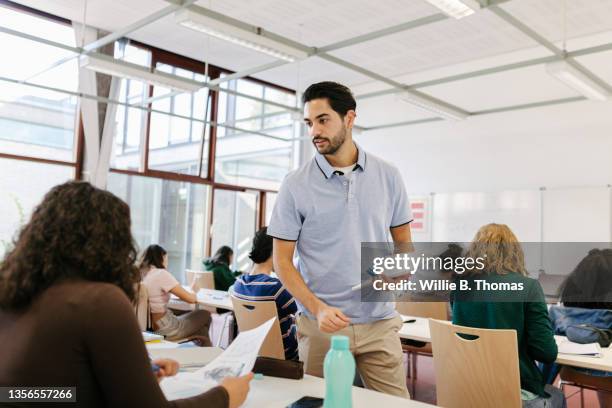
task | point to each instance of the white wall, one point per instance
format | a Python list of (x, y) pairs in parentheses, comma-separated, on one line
[(566, 145)]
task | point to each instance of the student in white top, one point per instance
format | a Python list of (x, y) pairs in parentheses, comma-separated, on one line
[(160, 284)]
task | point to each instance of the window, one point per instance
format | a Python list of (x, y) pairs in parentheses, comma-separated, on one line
[(244, 157), (270, 202), (173, 214), (175, 136), (23, 185), (37, 122), (130, 124), (234, 221)]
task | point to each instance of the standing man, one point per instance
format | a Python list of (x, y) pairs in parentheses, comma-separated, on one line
[(327, 208)]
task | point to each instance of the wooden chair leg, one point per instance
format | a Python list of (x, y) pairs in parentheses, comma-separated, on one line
[(413, 375)]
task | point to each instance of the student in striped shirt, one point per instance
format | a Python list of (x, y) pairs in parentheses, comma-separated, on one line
[(259, 285)]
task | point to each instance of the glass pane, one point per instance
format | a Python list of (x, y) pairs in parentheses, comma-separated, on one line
[(270, 202), (38, 26), (247, 159), (33, 121), (177, 127), (130, 122), (170, 213), (234, 220), (23, 185)]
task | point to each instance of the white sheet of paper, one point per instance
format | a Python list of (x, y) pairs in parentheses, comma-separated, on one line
[(568, 347), (238, 359)]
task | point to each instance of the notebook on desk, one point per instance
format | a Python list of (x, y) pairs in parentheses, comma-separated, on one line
[(569, 347)]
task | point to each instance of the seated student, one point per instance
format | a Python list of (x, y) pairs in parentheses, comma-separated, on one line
[(219, 265), (259, 285), (586, 296), (504, 263), (160, 284), (65, 314)]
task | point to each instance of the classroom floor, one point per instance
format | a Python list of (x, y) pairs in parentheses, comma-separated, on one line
[(425, 388)]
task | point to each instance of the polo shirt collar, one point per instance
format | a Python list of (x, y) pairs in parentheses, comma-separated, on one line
[(327, 168)]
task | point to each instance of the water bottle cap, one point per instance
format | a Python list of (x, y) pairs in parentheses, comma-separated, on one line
[(340, 343)]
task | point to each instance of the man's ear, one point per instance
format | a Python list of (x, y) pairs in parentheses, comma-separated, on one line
[(349, 118)]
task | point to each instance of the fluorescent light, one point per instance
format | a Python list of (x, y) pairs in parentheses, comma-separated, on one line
[(456, 8), (438, 109), (577, 80), (243, 37), (111, 66)]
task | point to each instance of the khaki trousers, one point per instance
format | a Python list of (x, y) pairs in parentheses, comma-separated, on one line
[(376, 347)]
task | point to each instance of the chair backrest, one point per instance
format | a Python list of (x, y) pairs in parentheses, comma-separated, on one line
[(483, 372), (142, 307), (429, 310), (251, 314), (202, 279)]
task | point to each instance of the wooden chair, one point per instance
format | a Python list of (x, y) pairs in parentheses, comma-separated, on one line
[(142, 308), (428, 310), (202, 279), (251, 314), (474, 373)]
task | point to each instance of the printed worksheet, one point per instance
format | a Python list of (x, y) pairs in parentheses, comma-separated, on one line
[(238, 359)]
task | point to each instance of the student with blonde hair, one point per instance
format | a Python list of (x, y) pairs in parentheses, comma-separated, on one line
[(519, 306)]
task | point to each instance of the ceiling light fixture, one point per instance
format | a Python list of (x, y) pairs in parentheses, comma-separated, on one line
[(456, 8), (421, 102), (243, 37), (107, 65), (577, 80)]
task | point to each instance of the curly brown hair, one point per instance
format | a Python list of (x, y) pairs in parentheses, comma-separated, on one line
[(76, 232)]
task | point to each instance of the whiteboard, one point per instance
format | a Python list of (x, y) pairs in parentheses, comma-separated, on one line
[(569, 215), (457, 216), (578, 217)]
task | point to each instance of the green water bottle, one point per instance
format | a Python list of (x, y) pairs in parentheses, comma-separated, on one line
[(339, 372)]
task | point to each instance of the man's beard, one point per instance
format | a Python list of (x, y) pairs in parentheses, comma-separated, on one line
[(333, 144)]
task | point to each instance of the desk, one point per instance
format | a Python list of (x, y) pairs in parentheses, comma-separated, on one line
[(596, 363), (206, 297), (272, 392), (419, 331)]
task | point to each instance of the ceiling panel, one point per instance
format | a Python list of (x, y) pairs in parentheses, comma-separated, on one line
[(546, 17), (517, 87), (439, 44), (320, 22), (387, 109)]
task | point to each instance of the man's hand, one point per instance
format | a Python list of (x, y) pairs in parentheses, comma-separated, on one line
[(167, 368), (331, 319)]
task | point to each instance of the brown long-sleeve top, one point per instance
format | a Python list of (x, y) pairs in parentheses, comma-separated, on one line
[(85, 334)]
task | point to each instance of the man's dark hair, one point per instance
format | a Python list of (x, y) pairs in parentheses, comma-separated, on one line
[(340, 98), (262, 246)]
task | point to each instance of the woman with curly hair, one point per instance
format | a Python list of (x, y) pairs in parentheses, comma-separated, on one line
[(65, 314)]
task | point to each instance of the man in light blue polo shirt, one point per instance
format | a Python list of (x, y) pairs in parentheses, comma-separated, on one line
[(326, 209)]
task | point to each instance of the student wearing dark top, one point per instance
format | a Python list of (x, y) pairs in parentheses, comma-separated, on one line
[(219, 265), (586, 296), (259, 285), (525, 311), (65, 312)]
